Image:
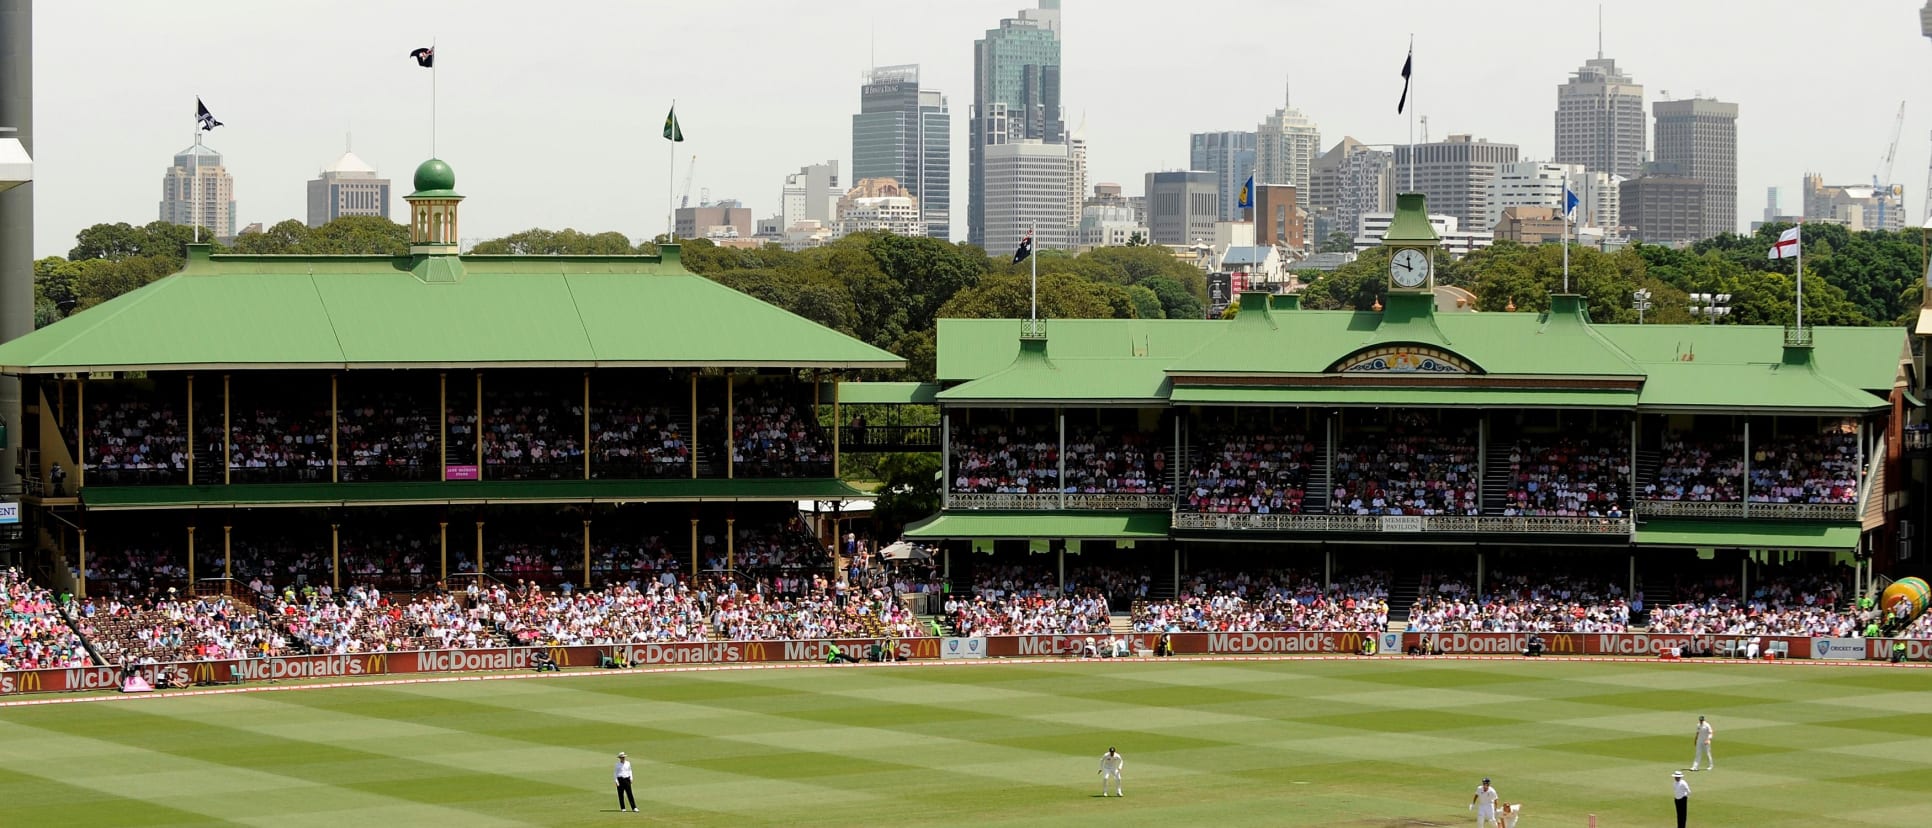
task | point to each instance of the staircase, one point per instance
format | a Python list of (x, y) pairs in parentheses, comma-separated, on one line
[(1647, 462), (1402, 596), (1314, 499), (1120, 623), (1655, 595), (1497, 477)]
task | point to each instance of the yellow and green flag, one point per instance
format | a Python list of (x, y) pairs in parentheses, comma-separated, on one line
[(673, 132)]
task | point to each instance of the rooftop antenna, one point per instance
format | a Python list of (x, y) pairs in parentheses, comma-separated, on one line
[(1599, 31), (1288, 92)]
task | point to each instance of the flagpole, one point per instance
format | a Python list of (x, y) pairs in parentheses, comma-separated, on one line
[(194, 179), (1033, 258), (432, 96), (1411, 87), (1566, 240), (1801, 273), (671, 182)]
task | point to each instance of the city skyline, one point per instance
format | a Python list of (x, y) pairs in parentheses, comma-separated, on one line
[(570, 91)]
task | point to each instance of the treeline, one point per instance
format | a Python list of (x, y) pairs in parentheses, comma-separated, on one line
[(1863, 278)]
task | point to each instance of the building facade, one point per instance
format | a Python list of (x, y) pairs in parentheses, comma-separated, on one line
[(1600, 120), (1530, 225), (1698, 137), (348, 187), (714, 221), (904, 132), (1016, 97), (1285, 147), (1348, 180), (811, 194), (1026, 188), (1857, 206), (197, 190), (1664, 209), (1106, 225), (1454, 175), (1527, 184), (1230, 156), (1279, 218), (1182, 206)]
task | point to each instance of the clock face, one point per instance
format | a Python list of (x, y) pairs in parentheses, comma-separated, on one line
[(1409, 267)]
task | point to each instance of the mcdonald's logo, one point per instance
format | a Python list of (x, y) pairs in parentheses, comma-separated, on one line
[(375, 664), (754, 651), (1348, 643), (1567, 644), (925, 648), (29, 682), (561, 656), (204, 673)]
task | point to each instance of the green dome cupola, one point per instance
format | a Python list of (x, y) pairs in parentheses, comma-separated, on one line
[(432, 209)]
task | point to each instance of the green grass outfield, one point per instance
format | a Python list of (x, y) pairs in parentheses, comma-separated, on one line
[(1378, 742)]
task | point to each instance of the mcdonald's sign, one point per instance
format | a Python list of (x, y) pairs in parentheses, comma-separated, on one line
[(202, 673), (561, 656), (1348, 642), (375, 664), (19, 682), (925, 648), (1562, 644), (754, 651)]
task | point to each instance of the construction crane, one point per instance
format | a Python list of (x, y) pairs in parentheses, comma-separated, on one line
[(1883, 190), (684, 197)]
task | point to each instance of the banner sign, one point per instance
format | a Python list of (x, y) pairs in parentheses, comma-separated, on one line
[(461, 473), (1838, 649), (974, 647), (1916, 649), (1229, 643), (1612, 644)]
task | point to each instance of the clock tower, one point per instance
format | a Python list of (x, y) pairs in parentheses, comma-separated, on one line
[(1411, 243)]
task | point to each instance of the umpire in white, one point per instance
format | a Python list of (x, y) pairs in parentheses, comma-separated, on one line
[(623, 773)]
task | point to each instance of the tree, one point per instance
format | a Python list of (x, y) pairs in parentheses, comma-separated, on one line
[(1337, 242), (1002, 295), (928, 271), (1146, 304), (908, 491), (1176, 301), (565, 242), (1137, 239)]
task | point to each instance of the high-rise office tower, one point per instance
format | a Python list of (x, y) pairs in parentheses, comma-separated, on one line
[(1230, 156), (1455, 175), (1182, 206), (197, 190), (1698, 137), (1076, 182), (1026, 188), (811, 194), (904, 133), (1016, 97), (1600, 120), (1285, 147), (348, 187), (1348, 180)]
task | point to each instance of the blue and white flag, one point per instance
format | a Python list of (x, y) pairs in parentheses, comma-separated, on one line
[(1569, 203), (1246, 199)]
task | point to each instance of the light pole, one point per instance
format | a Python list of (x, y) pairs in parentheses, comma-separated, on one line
[(1710, 305), (1640, 299)]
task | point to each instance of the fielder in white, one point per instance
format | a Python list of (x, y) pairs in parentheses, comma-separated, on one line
[(1110, 764), (1484, 804), (1703, 754)]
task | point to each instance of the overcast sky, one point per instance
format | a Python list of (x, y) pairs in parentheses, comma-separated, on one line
[(550, 112)]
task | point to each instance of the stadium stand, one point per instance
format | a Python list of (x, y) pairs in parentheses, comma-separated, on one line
[(32, 633)]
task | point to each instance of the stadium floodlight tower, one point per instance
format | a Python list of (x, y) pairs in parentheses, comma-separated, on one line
[(16, 215)]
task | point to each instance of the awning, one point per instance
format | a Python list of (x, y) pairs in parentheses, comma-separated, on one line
[(1041, 526), (903, 551), (1762, 534), (1419, 396), (470, 492), (888, 393)]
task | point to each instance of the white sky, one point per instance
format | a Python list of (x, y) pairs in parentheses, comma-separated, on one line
[(550, 112)]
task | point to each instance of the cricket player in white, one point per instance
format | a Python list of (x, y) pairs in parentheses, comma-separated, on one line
[(1110, 764), (1703, 754), (1484, 803)]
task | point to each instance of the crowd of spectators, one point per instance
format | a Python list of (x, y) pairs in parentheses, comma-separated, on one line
[(1012, 600), (776, 545), (136, 568), (1106, 461), (1817, 469), (532, 434), (1276, 601), (1250, 473), (389, 435), (1523, 603), (1006, 459), (172, 628), (132, 441), (635, 439), (652, 611), (1805, 604), (1568, 477), (775, 435), (749, 616), (33, 635), (272, 445), (1707, 469), (1411, 469)]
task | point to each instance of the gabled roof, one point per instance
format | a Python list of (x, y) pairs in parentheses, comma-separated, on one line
[(284, 312), (973, 348)]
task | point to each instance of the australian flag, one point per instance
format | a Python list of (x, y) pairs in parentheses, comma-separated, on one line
[(425, 57), (205, 118), (1026, 247)]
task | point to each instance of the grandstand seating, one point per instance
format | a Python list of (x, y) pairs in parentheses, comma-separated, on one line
[(32, 633), (1269, 600), (1411, 469), (1522, 603), (1250, 472)]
